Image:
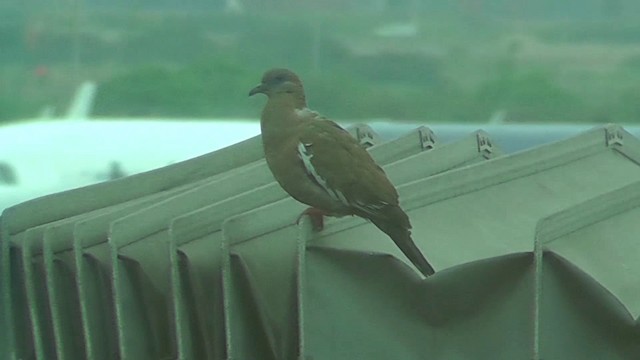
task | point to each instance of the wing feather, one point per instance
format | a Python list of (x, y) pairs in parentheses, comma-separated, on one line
[(305, 154), (337, 163)]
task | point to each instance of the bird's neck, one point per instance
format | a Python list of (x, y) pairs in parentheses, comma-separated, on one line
[(281, 112), (288, 100)]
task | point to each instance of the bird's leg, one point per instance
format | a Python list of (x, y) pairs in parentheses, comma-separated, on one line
[(316, 216)]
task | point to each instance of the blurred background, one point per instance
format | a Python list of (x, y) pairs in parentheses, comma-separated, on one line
[(417, 60), (167, 80)]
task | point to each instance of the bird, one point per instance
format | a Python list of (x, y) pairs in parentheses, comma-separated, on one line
[(320, 164)]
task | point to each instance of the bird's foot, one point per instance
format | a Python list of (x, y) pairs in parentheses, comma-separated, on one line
[(316, 216)]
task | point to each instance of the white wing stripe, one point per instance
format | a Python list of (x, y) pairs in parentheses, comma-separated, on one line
[(306, 156), (306, 112), (370, 208)]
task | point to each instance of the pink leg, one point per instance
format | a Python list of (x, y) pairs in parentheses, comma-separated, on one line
[(316, 216)]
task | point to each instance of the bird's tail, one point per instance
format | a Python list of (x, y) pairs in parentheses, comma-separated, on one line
[(396, 224)]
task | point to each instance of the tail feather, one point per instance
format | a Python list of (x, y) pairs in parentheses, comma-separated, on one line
[(397, 227)]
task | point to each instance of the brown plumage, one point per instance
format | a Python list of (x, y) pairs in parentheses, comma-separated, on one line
[(320, 164)]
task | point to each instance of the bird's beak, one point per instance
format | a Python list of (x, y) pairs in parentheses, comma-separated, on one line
[(256, 90)]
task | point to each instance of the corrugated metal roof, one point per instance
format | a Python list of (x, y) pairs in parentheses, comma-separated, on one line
[(535, 252)]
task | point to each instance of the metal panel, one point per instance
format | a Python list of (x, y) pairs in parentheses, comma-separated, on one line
[(91, 265), (197, 239), (195, 254), (260, 267), (130, 237), (536, 252), (47, 209), (359, 292), (62, 295), (35, 290), (59, 206), (588, 277)]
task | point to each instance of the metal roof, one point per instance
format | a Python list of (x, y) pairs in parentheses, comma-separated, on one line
[(535, 252)]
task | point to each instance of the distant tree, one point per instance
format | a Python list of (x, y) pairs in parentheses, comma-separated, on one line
[(471, 8), (612, 8)]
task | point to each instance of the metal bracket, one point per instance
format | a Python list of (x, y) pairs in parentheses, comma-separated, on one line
[(365, 136), (427, 138), (614, 135), (485, 145)]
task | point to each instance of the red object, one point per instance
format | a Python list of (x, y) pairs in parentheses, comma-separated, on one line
[(42, 71)]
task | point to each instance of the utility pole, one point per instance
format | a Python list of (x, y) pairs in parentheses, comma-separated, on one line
[(78, 13)]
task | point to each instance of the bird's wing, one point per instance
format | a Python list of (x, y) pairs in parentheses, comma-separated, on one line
[(336, 162)]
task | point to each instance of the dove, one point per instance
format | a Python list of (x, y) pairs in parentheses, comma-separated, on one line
[(320, 164)]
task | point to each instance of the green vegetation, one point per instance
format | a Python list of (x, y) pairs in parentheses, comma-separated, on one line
[(201, 66), (198, 90)]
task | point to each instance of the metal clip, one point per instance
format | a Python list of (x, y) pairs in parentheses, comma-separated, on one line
[(485, 146), (364, 134), (614, 135), (427, 138)]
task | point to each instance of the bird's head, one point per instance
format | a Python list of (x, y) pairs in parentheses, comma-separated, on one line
[(277, 82)]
